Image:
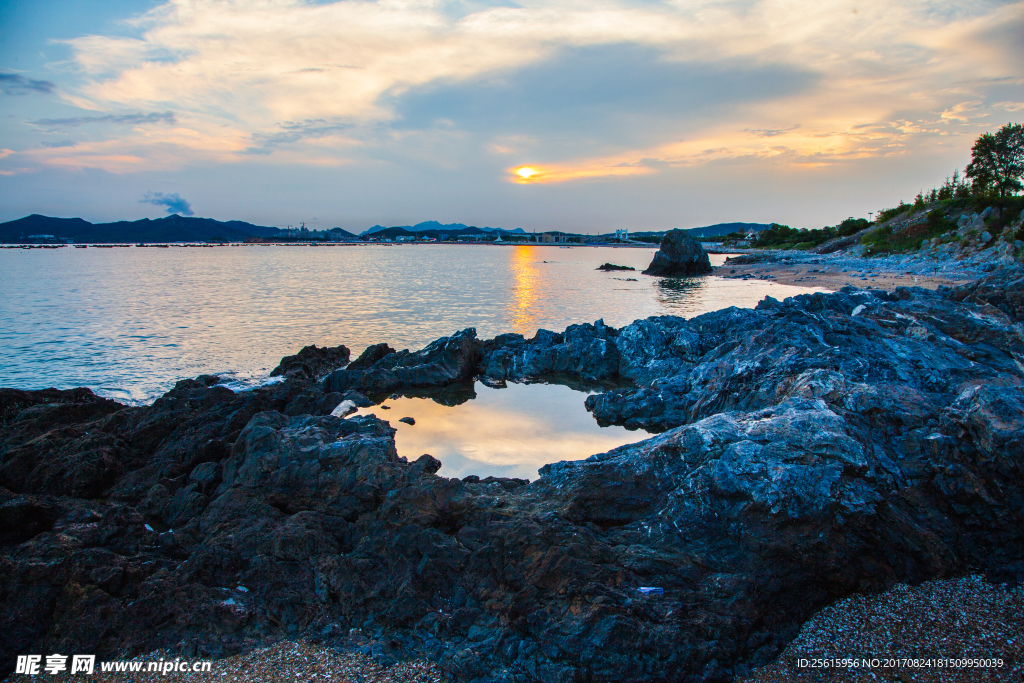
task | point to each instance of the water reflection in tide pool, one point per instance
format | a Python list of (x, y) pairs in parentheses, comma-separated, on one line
[(509, 432)]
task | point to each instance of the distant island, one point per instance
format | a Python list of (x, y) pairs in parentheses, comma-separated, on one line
[(38, 229)]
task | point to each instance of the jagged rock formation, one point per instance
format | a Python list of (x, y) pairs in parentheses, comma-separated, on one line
[(679, 255), (312, 362), (814, 447)]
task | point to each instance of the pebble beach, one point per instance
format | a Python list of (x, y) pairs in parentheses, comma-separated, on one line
[(953, 619)]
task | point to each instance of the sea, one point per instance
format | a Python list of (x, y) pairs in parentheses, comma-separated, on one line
[(128, 322)]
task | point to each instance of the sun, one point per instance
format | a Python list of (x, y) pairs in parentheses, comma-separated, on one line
[(526, 172)]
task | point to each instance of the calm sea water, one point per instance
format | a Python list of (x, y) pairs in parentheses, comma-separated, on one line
[(129, 322)]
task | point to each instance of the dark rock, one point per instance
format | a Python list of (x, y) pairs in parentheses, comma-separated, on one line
[(814, 447), (679, 255), (24, 517), (446, 361), (751, 258), (370, 355), (407, 420), (1004, 289), (313, 401), (583, 352), (611, 266), (359, 400), (312, 363)]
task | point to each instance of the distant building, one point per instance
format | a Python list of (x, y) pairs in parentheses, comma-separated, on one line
[(622, 235)]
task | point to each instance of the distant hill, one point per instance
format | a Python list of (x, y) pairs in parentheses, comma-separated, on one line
[(716, 230), (726, 228), (169, 229), (433, 229), (344, 233), (189, 229)]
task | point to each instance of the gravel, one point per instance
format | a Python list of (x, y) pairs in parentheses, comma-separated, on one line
[(965, 618), (286, 661), (907, 264)]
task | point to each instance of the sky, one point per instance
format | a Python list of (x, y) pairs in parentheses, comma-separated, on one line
[(541, 114)]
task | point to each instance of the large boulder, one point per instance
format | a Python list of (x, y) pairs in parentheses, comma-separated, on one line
[(312, 362), (679, 255), (380, 370)]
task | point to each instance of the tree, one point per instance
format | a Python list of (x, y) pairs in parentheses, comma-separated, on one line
[(997, 161)]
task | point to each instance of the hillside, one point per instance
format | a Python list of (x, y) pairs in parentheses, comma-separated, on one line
[(433, 229), (170, 229)]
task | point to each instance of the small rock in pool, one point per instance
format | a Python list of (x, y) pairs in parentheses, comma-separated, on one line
[(384, 407), (612, 266), (408, 420)]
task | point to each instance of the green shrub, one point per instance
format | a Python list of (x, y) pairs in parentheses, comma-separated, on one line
[(784, 237), (888, 214), (886, 241), (851, 225)]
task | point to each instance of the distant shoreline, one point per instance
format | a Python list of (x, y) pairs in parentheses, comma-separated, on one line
[(198, 245)]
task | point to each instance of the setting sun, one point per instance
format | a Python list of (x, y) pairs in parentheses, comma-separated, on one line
[(526, 172)]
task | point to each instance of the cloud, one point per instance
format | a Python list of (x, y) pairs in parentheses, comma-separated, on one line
[(293, 131), (770, 133), (123, 119), (16, 84), (174, 202), (598, 97), (961, 111), (579, 87), (58, 145)]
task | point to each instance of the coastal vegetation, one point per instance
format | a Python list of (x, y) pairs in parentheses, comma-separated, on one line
[(779, 236), (990, 182), (988, 186)]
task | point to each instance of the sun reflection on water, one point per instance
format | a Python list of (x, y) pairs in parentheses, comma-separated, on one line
[(525, 281), (508, 432)]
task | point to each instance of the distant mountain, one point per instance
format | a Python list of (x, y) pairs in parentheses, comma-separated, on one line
[(189, 229), (343, 233), (726, 228), (414, 231), (435, 228), (716, 230), (169, 229)]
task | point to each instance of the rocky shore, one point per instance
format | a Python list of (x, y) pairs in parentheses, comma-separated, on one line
[(810, 449), (961, 255)]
